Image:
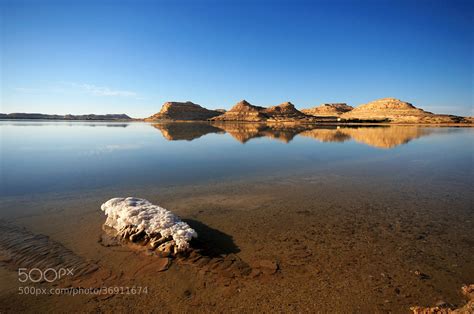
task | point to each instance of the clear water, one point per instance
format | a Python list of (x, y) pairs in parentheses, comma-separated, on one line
[(38, 157)]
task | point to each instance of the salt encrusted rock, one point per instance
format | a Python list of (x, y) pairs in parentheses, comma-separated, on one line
[(138, 220)]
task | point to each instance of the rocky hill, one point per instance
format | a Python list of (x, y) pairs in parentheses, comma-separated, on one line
[(243, 111), (183, 111), (328, 110), (396, 111), (284, 112), (246, 112), (40, 116)]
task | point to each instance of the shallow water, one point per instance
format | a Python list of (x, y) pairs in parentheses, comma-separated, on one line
[(38, 157), (348, 213)]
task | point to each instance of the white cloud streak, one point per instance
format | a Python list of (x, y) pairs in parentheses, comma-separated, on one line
[(68, 87), (105, 91)]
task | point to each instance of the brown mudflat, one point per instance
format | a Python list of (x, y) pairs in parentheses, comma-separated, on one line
[(308, 243)]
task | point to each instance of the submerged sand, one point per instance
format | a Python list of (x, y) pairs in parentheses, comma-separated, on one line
[(324, 242)]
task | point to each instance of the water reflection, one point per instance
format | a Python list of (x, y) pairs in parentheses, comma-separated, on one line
[(185, 131), (376, 136), (73, 156)]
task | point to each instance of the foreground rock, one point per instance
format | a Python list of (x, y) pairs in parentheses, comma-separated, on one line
[(40, 116), (157, 232), (139, 221), (396, 111), (183, 111), (328, 110)]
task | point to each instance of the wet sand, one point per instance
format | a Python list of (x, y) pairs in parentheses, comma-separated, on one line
[(340, 243)]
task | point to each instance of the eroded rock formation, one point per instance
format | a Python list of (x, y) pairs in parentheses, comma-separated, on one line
[(243, 111), (284, 112), (397, 111), (183, 111), (328, 110)]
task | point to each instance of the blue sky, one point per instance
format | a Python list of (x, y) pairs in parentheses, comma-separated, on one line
[(131, 56)]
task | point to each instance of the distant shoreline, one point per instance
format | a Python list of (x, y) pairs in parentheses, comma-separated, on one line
[(72, 120), (66, 117), (248, 122)]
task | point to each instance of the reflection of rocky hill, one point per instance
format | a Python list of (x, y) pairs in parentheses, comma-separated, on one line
[(244, 132), (385, 137), (376, 136), (285, 132), (328, 134), (185, 131), (183, 111)]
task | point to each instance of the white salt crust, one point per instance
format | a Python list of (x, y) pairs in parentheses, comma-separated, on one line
[(153, 219)]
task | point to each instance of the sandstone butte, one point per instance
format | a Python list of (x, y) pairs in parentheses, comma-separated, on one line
[(328, 110), (244, 111), (397, 111), (382, 110), (183, 111)]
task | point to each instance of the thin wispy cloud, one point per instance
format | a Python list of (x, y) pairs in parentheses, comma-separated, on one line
[(105, 91), (26, 90), (85, 88)]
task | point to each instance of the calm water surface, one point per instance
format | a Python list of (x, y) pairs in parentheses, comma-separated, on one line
[(39, 157)]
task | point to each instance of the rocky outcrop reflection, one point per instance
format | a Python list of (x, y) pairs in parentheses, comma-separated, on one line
[(327, 134), (244, 132), (372, 135), (387, 136), (188, 131), (376, 136)]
